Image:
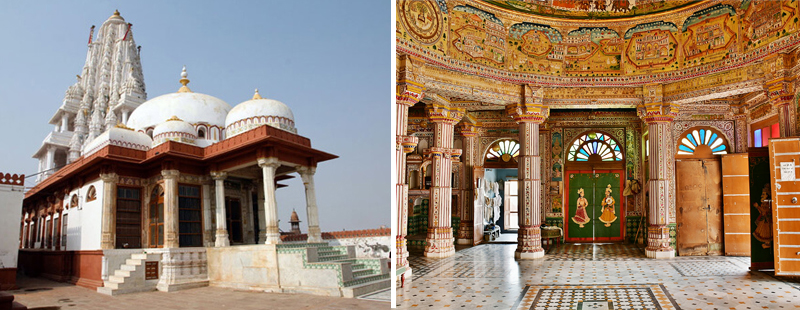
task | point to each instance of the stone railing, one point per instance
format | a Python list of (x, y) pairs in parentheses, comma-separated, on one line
[(182, 268)]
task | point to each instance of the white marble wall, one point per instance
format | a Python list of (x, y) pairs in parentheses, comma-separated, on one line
[(10, 208)]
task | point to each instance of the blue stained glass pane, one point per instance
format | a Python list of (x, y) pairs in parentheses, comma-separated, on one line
[(702, 136), (581, 159), (599, 136), (684, 148), (713, 138), (594, 147), (757, 136), (691, 139), (719, 148), (616, 148), (584, 152)]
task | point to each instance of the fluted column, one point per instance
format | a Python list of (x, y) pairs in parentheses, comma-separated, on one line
[(208, 228), (529, 113), (307, 174), (171, 208), (439, 241), (659, 117), (108, 239), (408, 92), (222, 221), (466, 229), (268, 167)]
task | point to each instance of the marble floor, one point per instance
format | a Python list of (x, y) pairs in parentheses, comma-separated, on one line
[(590, 276)]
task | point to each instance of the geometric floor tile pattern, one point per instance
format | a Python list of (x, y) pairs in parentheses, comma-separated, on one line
[(638, 296), (488, 277)]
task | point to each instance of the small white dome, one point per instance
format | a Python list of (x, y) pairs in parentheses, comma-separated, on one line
[(174, 129), (257, 112), (119, 136)]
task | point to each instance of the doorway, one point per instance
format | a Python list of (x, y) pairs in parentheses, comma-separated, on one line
[(156, 217), (595, 211), (233, 212), (699, 207)]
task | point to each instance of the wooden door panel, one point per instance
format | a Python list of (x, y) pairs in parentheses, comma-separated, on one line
[(691, 213), (477, 215), (736, 184), (713, 175), (785, 214), (608, 223), (580, 220)]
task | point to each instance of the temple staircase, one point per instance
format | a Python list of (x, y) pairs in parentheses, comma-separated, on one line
[(355, 276), (130, 278)]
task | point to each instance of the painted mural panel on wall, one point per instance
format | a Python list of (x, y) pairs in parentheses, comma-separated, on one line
[(535, 48), (765, 21), (597, 9), (592, 52), (651, 46), (477, 36), (424, 22), (709, 35)]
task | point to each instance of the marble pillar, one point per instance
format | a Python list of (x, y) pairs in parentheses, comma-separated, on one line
[(108, 223), (662, 160), (222, 231), (268, 168), (171, 231), (471, 158), (307, 174), (208, 228), (439, 240)]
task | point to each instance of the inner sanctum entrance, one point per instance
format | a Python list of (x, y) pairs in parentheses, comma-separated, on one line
[(594, 179)]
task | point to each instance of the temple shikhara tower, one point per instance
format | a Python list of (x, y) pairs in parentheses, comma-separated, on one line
[(644, 124), (179, 191), (109, 88)]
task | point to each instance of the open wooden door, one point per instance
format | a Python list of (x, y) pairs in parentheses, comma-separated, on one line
[(784, 157), (477, 214), (510, 208), (736, 204), (698, 204)]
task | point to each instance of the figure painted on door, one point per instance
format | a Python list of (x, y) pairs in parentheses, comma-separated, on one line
[(609, 215), (581, 217), (763, 230)]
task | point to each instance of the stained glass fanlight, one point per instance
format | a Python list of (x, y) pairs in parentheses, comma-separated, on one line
[(594, 143), (503, 150), (689, 143)]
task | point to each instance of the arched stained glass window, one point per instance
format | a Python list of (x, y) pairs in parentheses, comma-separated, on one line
[(503, 150), (594, 143), (693, 139)]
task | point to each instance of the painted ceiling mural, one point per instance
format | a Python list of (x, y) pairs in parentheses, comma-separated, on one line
[(553, 37)]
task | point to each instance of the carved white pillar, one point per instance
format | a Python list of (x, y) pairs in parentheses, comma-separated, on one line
[(171, 208), (262, 220), (108, 217), (64, 122), (307, 174), (439, 240), (125, 114), (529, 113), (268, 167), (51, 162), (222, 230), (208, 229), (662, 159)]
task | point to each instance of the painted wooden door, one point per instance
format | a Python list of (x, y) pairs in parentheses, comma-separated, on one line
[(698, 205), (595, 211), (736, 204), (784, 157), (762, 254)]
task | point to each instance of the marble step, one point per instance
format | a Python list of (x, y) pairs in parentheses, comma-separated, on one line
[(332, 258), (366, 288), (363, 272)]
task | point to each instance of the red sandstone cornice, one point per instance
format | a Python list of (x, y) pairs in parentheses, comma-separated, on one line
[(12, 179), (380, 232), (263, 136)]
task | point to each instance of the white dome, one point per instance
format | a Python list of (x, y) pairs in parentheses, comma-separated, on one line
[(193, 108), (174, 129), (122, 137), (257, 112)]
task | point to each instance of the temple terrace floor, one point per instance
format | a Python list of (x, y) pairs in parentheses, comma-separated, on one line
[(37, 293), (587, 276)]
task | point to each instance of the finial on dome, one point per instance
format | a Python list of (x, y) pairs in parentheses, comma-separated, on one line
[(256, 95), (184, 80), (116, 12), (116, 15), (174, 118)]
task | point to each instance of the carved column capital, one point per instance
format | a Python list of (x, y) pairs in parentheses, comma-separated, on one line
[(271, 162), (438, 113), (109, 177), (219, 175), (410, 85), (170, 174)]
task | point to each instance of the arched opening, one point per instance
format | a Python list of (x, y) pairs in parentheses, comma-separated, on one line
[(91, 194), (592, 183), (501, 189), (701, 142), (156, 217), (201, 133)]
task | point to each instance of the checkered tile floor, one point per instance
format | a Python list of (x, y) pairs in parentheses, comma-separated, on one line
[(584, 276)]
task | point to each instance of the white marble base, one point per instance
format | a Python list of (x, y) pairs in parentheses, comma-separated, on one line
[(660, 254), (449, 253), (529, 255)]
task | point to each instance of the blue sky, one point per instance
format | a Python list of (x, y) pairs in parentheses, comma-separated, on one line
[(329, 61)]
